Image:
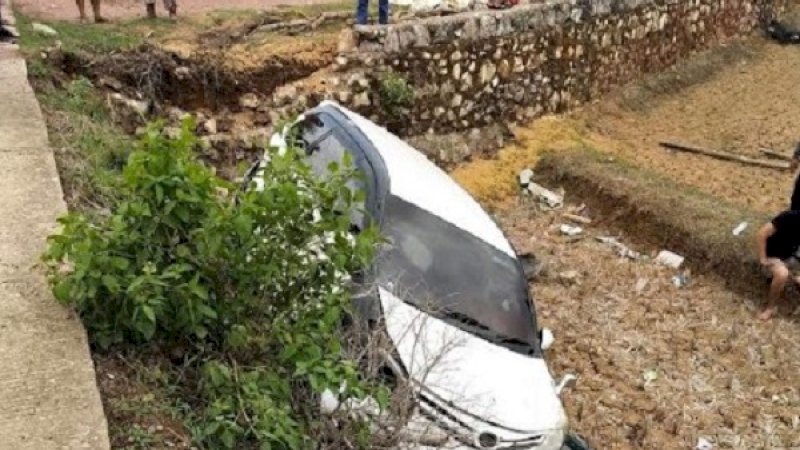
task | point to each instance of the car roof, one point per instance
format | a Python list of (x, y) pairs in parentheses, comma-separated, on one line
[(415, 179)]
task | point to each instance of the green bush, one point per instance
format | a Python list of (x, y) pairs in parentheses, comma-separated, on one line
[(252, 293), (396, 93)]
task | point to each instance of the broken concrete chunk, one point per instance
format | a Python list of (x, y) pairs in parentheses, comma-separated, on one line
[(525, 177), (669, 259), (249, 101), (546, 196), (570, 230), (43, 29)]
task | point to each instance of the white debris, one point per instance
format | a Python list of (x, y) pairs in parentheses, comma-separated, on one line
[(680, 280), (740, 228), (669, 259), (622, 249), (546, 196), (650, 376), (570, 230), (44, 29), (704, 444), (525, 177)]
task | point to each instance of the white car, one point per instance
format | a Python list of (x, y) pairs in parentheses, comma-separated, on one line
[(451, 294)]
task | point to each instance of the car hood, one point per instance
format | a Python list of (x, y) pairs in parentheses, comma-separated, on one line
[(481, 379)]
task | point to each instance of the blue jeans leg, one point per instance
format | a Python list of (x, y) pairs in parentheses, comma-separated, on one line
[(361, 12), (383, 12)]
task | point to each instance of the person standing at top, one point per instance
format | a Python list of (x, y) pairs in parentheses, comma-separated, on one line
[(95, 9), (170, 5), (362, 12)]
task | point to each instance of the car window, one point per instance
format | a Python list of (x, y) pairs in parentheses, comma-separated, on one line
[(331, 147), (451, 274)]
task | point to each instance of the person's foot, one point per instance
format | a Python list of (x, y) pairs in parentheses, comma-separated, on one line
[(767, 313), (82, 19), (151, 11), (100, 19)]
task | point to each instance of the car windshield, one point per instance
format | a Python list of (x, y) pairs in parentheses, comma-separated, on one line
[(453, 275)]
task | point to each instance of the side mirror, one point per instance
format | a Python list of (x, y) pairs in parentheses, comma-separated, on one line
[(547, 338)]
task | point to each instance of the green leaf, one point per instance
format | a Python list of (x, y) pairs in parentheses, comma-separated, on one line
[(62, 291), (207, 311), (148, 312)]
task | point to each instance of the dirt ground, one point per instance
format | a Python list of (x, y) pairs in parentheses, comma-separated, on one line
[(658, 367), (119, 9), (661, 367)]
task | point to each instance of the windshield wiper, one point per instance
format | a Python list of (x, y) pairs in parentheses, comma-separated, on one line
[(488, 333)]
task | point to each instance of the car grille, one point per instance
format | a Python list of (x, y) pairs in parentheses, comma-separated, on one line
[(468, 436)]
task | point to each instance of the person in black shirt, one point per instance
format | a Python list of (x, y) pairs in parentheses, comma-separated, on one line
[(794, 205), (777, 243)]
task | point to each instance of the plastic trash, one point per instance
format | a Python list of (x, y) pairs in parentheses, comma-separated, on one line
[(740, 228), (570, 230), (704, 444)]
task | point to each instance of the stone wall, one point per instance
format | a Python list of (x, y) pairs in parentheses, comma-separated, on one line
[(474, 69)]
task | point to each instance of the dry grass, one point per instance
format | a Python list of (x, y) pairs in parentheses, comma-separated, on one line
[(716, 371)]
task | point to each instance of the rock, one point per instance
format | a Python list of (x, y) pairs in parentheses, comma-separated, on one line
[(348, 41), (127, 112), (680, 280), (532, 266), (669, 259), (361, 99), (182, 72), (111, 83), (525, 177), (210, 126), (545, 196), (175, 114), (488, 70), (43, 29), (249, 101)]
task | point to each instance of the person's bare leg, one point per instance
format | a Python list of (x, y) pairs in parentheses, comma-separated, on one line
[(172, 7), (98, 18), (151, 9), (81, 9), (780, 274)]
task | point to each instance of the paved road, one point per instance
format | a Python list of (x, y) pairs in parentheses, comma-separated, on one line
[(115, 9), (48, 393)]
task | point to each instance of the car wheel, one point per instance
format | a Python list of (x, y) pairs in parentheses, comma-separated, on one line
[(575, 442)]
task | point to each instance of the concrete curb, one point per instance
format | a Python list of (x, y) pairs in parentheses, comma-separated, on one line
[(48, 384)]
